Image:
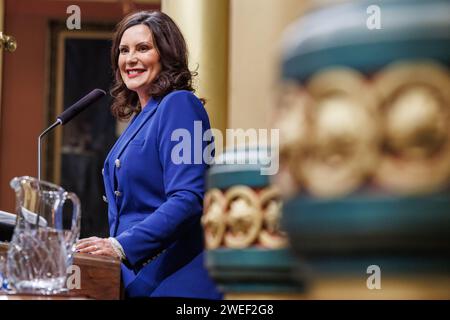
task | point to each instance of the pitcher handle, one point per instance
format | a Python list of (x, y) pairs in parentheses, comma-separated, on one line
[(76, 222)]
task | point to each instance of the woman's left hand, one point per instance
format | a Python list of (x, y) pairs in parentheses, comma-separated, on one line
[(96, 246)]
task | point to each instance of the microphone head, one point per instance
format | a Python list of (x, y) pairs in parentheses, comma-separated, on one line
[(80, 105)]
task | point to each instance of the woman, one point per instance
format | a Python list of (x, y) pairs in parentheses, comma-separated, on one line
[(154, 201)]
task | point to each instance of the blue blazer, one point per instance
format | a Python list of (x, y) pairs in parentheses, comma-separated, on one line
[(155, 203)]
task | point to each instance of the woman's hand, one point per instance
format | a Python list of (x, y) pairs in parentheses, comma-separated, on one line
[(96, 246)]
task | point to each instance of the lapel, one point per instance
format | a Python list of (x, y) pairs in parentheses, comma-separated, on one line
[(142, 119), (130, 133)]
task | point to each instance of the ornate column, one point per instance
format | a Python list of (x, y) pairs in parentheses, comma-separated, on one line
[(204, 24), (255, 30), (365, 149)]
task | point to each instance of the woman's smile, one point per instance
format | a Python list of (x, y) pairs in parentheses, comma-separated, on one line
[(133, 73)]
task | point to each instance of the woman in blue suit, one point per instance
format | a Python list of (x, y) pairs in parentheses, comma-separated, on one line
[(154, 181)]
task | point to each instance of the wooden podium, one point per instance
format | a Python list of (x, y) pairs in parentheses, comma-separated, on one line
[(100, 278)]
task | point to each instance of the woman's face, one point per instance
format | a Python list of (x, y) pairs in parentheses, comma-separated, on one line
[(139, 62)]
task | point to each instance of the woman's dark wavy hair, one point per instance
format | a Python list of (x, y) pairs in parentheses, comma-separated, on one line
[(171, 46)]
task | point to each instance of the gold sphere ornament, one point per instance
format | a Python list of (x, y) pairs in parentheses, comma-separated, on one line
[(416, 123), (293, 120), (345, 135), (244, 218), (213, 219), (271, 235), (9, 43)]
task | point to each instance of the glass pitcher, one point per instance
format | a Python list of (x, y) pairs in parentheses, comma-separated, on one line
[(42, 247)]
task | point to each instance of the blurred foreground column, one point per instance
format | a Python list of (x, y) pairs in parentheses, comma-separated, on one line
[(204, 24), (365, 149)]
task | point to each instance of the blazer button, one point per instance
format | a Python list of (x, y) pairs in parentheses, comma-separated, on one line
[(117, 163), (105, 199), (117, 193)]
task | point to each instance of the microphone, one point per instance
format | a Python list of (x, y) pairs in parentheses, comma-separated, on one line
[(68, 115), (80, 105)]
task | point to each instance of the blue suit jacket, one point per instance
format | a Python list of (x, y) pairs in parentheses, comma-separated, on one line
[(155, 204)]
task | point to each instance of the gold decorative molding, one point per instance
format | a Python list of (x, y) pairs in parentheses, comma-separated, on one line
[(271, 235), (391, 130), (416, 110), (213, 220), (242, 217)]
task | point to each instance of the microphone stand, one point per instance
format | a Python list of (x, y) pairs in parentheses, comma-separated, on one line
[(54, 125)]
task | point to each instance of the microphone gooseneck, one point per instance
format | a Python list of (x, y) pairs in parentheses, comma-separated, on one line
[(54, 125)]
